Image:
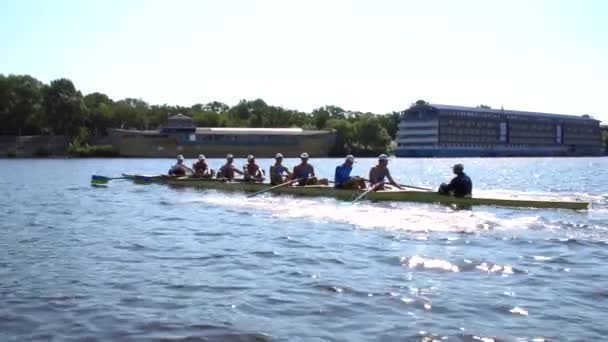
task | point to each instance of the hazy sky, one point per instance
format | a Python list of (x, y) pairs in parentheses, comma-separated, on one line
[(377, 56)]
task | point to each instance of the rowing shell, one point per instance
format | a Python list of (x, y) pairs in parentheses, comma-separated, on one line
[(387, 195)]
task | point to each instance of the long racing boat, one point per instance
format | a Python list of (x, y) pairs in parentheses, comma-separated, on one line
[(345, 194)]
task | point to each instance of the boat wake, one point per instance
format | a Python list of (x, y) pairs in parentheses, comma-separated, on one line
[(401, 217)]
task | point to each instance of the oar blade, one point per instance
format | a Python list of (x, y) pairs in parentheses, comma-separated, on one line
[(99, 180)]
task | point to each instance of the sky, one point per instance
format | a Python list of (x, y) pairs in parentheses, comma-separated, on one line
[(377, 56)]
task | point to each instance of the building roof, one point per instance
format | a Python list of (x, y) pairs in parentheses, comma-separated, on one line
[(180, 117), (236, 131), (255, 131), (510, 112)]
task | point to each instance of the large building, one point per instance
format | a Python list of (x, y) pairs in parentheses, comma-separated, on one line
[(432, 130), (180, 136)]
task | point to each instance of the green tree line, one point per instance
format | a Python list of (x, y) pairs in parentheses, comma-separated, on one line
[(31, 107)]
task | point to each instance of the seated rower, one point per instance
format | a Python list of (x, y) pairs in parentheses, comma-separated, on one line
[(378, 173), (201, 169), (305, 173), (179, 169), (228, 170), (252, 171), (460, 186), (278, 170), (342, 178)]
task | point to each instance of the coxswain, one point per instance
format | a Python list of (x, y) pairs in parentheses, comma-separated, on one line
[(252, 171), (305, 173), (278, 170), (343, 179), (380, 172), (201, 169), (460, 186), (228, 170), (179, 169)]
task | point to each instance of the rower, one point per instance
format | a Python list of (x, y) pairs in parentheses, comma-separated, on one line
[(252, 171), (378, 173), (305, 173), (201, 169), (228, 170), (460, 186), (278, 170), (342, 178), (179, 169)]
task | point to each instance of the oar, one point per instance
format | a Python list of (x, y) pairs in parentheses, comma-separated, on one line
[(372, 188), (275, 187), (97, 179), (415, 187), (407, 186)]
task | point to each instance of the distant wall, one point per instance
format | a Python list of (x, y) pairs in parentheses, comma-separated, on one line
[(32, 146)]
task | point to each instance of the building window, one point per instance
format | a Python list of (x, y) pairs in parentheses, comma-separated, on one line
[(559, 138), (192, 137), (503, 132)]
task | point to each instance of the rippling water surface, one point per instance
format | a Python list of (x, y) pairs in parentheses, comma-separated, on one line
[(146, 262)]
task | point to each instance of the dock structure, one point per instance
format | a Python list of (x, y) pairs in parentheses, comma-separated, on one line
[(434, 130)]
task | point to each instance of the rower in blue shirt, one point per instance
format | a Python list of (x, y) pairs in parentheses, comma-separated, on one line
[(342, 178)]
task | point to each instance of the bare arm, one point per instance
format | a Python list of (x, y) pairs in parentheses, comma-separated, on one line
[(237, 170), (391, 181)]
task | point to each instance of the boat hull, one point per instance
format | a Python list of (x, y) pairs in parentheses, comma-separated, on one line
[(390, 195)]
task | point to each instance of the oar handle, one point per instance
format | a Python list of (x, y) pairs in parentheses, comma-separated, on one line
[(371, 188), (271, 188)]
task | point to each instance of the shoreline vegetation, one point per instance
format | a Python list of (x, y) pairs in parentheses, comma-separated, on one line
[(58, 110)]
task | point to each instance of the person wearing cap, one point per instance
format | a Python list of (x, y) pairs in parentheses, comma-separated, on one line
[(380, 172), (252, 171), (201, 169), (460, 186), (305, 173), (228, 170), (342, 177), (179, 169), (278, 170)]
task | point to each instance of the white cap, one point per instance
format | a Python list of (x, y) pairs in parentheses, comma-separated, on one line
[(201, 157), (350, 158), (180, 157), (304, 155), (383, 157), (278, 155), (250, 157), (229, 156)]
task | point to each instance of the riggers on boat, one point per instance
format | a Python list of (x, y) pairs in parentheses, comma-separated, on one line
[(346, 194)]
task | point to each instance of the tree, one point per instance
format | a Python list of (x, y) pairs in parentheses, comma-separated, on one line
[(371, 135), (484, 106), (65, 108), (100, 112), (207, 119), (131, 113), (390, 122), (21, 104), (216, 107), (344, 136)]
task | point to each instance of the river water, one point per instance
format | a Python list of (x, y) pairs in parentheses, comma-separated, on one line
[(150, 262)]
